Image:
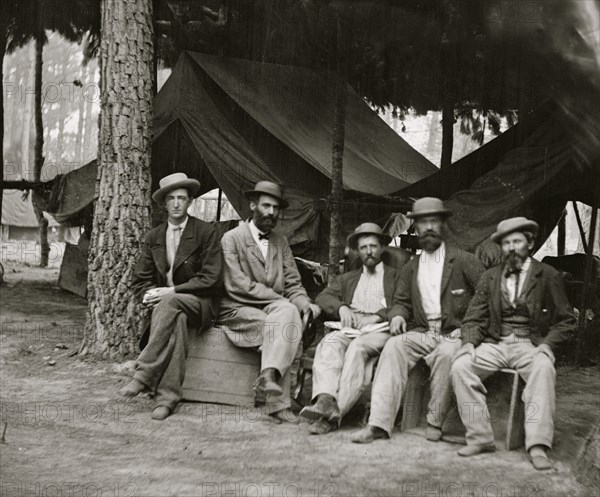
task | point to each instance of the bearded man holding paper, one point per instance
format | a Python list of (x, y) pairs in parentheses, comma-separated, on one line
[(360, 301)]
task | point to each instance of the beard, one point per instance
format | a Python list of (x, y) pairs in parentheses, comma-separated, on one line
[(430, 241), (264, 223), (513, 260)]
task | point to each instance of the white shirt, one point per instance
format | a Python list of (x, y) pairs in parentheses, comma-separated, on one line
[(263, 245), (369, 296), (511, 281), (429, 281), (172, 245)]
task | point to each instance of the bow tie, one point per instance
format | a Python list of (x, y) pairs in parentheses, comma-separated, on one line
[(264, 236), (508, 272)]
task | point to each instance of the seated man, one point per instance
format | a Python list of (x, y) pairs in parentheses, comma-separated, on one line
[(357, 298), (264, 297), (177, 276), (435, 289), (515, 304)]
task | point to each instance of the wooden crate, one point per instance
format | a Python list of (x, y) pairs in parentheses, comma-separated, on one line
[(73, 271), (219, 372)]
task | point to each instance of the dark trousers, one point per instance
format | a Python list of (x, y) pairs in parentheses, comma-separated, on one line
[(161, 365)]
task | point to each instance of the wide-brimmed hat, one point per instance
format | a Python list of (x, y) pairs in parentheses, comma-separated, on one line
[(367, 229), (513, 224), (429, 206), (174, 181), (267, 188)]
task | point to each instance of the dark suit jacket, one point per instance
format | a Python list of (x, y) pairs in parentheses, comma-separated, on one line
[(341, 292), (461, 272), (197, 266), (551, 316)]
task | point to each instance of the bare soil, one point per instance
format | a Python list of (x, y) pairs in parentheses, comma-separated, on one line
[(68, 433)]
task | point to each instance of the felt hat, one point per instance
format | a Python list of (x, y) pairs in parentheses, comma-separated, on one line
[(174, 181), (267, 188), (514, 224), (429, 206), (366, 229)]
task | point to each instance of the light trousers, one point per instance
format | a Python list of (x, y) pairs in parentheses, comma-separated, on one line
[(536, 369), (343, 367), (400, 354)]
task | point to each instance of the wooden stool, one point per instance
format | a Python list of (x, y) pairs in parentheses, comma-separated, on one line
[(507, 411), (217, 371)]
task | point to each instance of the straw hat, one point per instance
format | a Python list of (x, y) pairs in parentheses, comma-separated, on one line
[(174, 181)]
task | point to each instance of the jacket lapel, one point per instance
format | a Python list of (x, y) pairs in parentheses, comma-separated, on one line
[(388, 285), (535, 270), (159, 251), (252, 246), (187, 244), (447, 270), (496, 291), (353, 283), (417, 301)]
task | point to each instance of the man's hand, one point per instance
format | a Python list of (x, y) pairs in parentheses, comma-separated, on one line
[(544, 348), (466, 348), (154, 296), (315, 309), (347, 317), (397, 325), (455, 334), (365, 320)]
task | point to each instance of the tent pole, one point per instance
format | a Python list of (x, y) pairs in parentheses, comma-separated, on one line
[(562, 234), (587, 280), (219, 197), (580, 226)]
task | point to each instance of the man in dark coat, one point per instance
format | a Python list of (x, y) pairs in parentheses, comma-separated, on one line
[(518, 317), (435, 290), (177, 276), (358, 299)]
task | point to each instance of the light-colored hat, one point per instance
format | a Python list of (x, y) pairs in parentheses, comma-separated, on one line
[(267, 188), (429, 206), (366, 229), (513, 224), (174, 181)]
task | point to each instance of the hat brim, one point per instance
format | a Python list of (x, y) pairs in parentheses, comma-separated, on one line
[(191, 185), (250, 194), (531, 226), (353, 238), (437, 212)]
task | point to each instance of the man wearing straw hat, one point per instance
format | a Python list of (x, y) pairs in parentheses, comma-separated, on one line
[(518, 317), (265, 300), (357, 299), (178, 277), (436, 288)]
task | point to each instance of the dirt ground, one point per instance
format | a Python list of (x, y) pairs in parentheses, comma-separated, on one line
[(68, 433)]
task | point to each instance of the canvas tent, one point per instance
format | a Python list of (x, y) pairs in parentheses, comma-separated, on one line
[(231, 122)]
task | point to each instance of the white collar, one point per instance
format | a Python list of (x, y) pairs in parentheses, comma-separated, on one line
[(378, 268), (172, 226), (254, 230)]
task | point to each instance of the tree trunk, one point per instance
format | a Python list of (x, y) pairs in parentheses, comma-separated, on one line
[(39, 148), (447, 134), (2, 53), (80, 119), (449, 59), (122, 206), (336, 198)]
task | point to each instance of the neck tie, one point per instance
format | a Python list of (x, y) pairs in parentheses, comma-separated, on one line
[(175, 242)]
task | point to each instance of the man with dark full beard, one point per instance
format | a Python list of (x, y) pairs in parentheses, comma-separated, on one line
[(265, 299), (517, 318), (435, 290)]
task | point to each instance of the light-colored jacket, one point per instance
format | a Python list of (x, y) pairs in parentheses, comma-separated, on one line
[(250, 280)]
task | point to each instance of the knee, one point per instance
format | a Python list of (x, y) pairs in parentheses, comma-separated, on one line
[(543, 364), (357, 348), (395, 346), (460, 366)]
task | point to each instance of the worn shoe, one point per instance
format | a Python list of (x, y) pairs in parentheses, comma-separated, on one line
[(539, 459), (286, 416), (266, 384), (434, 433), (321, 427), (325, 407), (133, 388), (368, 434), (161, 413), (473, 450)]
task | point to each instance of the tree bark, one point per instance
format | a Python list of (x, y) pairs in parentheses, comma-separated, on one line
[(447, 133), (39, 148), (449, 60), (2, 53), (336, 198), (122, 205)]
